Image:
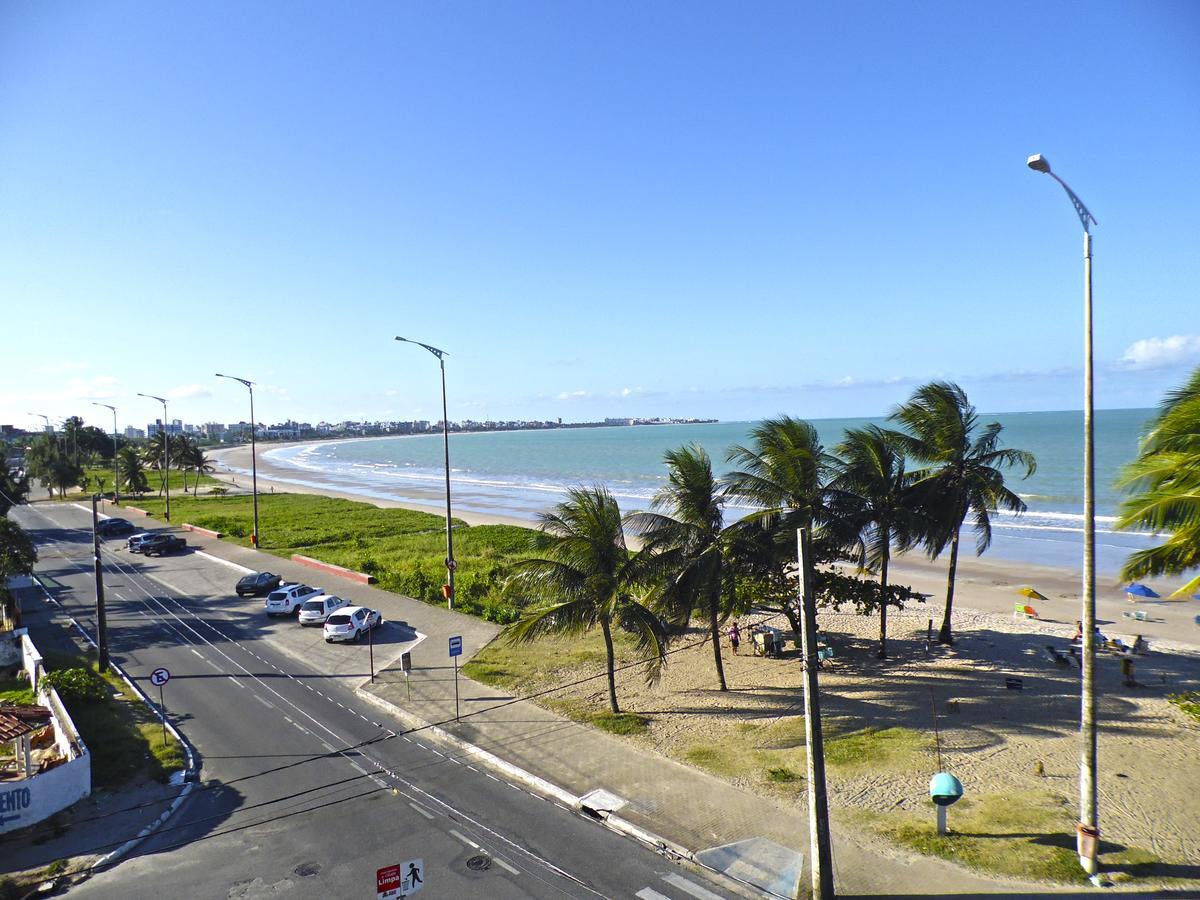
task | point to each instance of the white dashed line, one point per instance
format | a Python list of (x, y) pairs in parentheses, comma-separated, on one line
[(235, 682), (690, 887), (502, 864), (422, 810), (260, 699), (651, 894), (462, 837)]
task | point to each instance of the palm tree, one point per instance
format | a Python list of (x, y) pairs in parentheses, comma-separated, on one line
[(133, 475), (785, 473), (876, 501), (200, 463), (1165, 485), (587, 577), (962, 475), (686, 547)]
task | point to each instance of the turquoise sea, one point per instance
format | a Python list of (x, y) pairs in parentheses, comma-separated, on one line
[(521, 473)]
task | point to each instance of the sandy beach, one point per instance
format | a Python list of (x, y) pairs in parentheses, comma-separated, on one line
[(982, 584)]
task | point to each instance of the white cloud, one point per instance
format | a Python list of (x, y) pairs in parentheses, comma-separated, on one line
[(573, 395), (1153, 353), (189, 392), (98, 387)]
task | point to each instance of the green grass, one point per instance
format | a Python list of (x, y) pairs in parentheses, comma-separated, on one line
[(153, 478), (404, 549), (546, 661), (1029, 835), (1188, 701), (16, 690), (620, 723), (874, 748), (123, 736)]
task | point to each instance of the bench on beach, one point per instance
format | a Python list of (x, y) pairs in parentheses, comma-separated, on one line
[(1139, 614), (1024, 609)]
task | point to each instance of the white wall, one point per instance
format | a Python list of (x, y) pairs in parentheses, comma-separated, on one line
[(27, 802)]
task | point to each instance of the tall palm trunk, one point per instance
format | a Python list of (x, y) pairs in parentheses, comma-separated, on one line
[(882, 654), (714, 628), (612, 678), (944, 635)]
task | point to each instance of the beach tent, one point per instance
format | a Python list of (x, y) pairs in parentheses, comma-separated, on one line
[(1137, 589), (1032, 594), (1188, 590)]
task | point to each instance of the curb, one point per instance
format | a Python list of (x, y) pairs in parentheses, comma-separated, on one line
[(191, 773), (360, 577), (188, 526), (535, 783)]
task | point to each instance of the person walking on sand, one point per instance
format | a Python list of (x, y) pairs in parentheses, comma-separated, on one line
[(1078, 636), (735, 636)]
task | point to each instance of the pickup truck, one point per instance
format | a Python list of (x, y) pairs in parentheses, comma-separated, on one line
[(289, 598), (161, 544)]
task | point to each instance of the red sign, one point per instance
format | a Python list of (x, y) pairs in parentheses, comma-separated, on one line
[(388, 882)]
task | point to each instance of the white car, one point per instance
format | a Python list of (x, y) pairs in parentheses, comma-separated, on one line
[(351, 623), (317, 610), (287, 598)]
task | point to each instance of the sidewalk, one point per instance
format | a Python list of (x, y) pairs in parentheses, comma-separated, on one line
[(683, 805), (78, 836)]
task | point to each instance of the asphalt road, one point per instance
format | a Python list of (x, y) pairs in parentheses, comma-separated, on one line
[(306, 790)]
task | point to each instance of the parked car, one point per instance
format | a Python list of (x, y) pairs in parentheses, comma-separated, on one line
[(257, 583), (135, 542), (317, 610), (114, 527), (162, 544), (350, 624), (288, 598)]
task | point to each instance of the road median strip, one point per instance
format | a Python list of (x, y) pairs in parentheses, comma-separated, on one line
[(188, 526)]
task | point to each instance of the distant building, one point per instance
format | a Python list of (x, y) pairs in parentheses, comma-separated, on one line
[(134, 433)]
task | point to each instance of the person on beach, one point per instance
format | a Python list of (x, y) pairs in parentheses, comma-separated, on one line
[(735, 636), (1127, 671), (1078, 636), (1139, 645)]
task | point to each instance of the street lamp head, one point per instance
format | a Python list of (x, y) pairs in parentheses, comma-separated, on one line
[(1038, 163)]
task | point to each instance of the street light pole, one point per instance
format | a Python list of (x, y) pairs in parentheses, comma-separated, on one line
[(1089, 827), (116, 475), (451, 565), (253, 456), (166, 450)]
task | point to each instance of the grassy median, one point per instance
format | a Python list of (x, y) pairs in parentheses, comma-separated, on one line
[(405, 550)]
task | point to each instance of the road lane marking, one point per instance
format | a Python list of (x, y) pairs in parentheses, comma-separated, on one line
[(690, 887), (224, 562), (651, 894), (236, 682), (502, 864), (462, 837), (260, 699), (422, 810), (197, 652)]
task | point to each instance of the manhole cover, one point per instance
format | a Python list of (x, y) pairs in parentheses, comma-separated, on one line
[(479, 863), (306, 870)]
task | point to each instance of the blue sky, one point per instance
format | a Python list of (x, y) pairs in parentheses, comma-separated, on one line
[(605, 209)]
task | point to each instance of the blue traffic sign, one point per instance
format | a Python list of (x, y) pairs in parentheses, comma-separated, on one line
[(456, 645)]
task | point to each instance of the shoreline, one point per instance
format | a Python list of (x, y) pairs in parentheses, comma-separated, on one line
[(982, 584)]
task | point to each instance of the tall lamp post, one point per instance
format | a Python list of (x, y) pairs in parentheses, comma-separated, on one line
[(166, 449), (253, 461), (451, 565), (116, 475), (1088, 828)]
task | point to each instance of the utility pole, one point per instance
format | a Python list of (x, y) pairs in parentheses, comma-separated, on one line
[(101, 620), (820, 851)]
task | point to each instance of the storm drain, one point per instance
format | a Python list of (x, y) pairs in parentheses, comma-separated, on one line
[(307, 870), (479, 863)]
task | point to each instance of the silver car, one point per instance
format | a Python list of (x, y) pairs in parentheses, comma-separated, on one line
[(318, 609)]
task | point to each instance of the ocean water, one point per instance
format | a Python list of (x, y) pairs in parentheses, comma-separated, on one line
[(521, 473)]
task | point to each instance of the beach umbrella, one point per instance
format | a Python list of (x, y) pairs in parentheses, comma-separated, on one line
[(1137, 589), (1032, 594), (1188, 590)]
